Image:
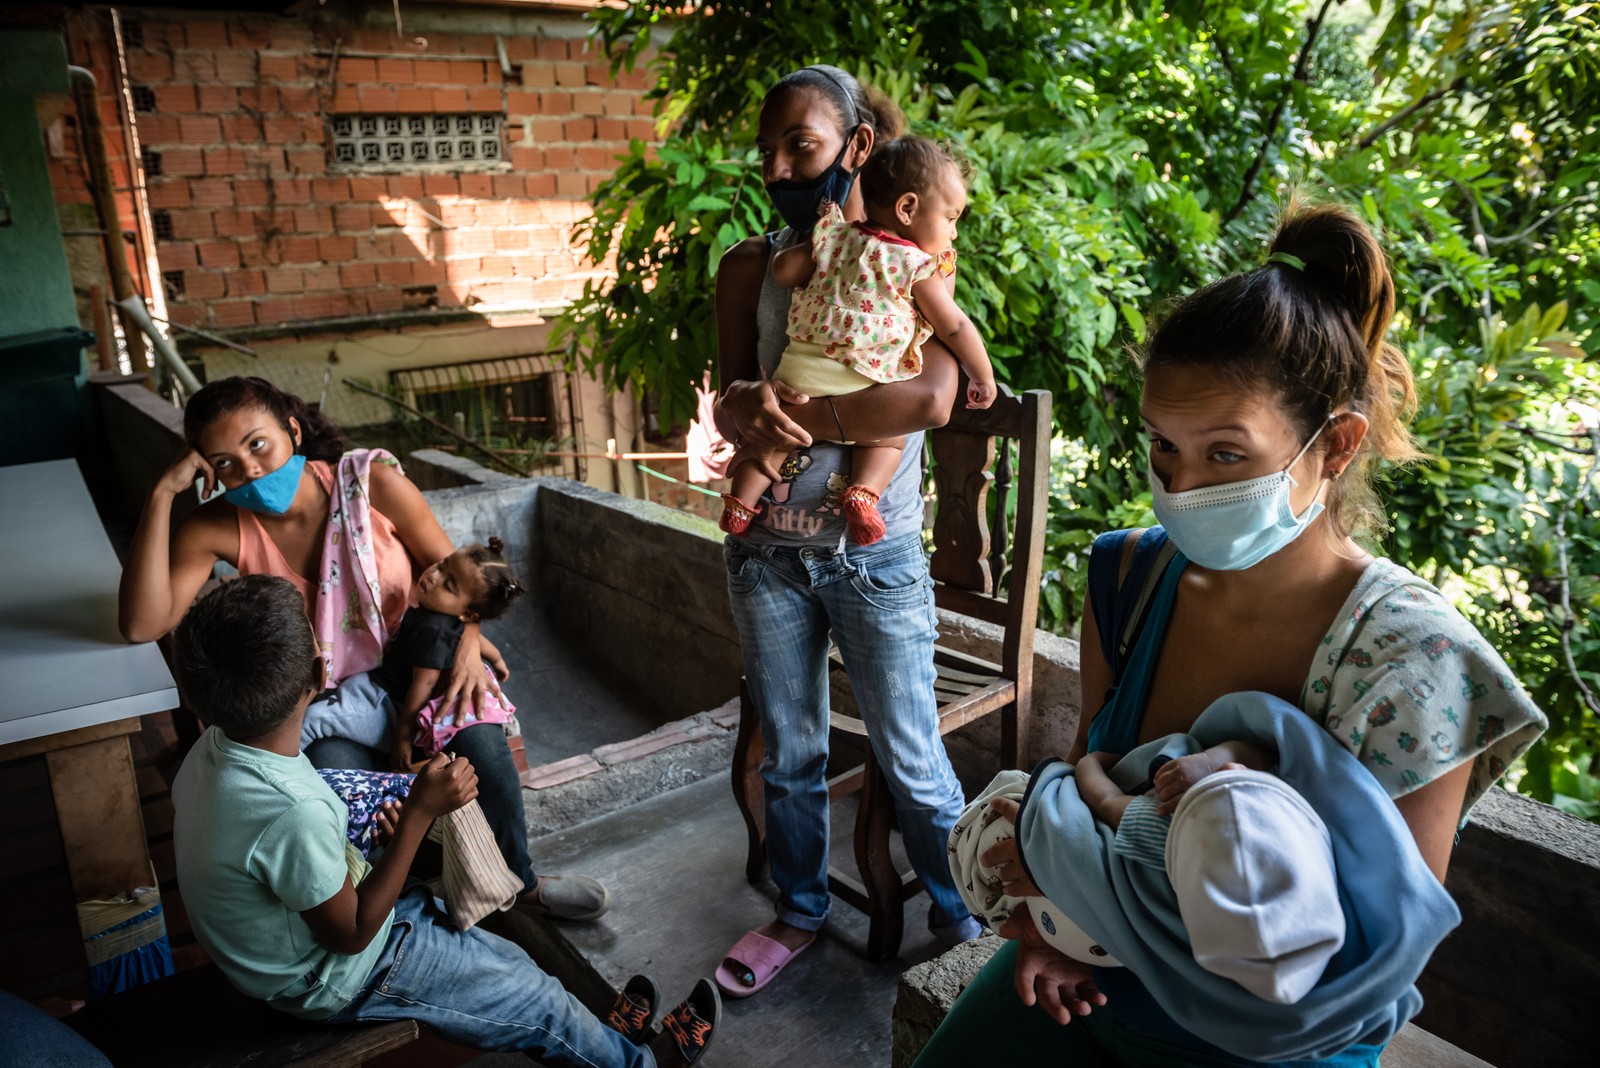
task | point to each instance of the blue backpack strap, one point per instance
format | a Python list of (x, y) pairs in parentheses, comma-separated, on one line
[(1119, 597), (1105, 576)]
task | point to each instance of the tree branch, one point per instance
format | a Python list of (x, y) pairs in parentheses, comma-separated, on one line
[(1299, 74), (1368, 139), (1567, 621), (1480, 241), (1540, 221), (1551, 440)]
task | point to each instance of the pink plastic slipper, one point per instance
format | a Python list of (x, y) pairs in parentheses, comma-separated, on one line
[(765, 957)]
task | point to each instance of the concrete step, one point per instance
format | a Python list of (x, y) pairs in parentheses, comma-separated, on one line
[(675, 864)]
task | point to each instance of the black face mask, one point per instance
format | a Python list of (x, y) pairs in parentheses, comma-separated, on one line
[(800, 201)]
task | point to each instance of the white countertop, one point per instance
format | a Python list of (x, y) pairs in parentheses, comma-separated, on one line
[(63, 665)]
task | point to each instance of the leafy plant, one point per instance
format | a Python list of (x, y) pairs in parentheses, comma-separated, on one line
[(1124, 153)]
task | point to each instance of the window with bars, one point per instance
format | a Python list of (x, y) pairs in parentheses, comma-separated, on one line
[(144, 98), (512, 404), (400, 142)]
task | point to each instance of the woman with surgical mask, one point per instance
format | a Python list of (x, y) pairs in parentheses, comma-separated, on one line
[(795, 579), (353, 534), (1269, 396)]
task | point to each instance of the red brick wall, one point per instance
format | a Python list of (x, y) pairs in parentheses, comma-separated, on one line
[(266, 232)]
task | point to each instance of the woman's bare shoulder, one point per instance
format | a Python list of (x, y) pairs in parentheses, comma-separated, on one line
[(213, 527), (745, 260), (392, 490)]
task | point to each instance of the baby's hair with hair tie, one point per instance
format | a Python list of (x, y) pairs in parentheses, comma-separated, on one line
[(501, 584)]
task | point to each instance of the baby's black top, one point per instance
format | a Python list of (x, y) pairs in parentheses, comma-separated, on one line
[(426, 639)]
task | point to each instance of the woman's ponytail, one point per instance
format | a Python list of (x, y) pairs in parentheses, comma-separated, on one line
[(1343, 260)]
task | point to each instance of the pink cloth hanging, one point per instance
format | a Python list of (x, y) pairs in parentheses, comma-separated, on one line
[(348, 612), (709, 452)]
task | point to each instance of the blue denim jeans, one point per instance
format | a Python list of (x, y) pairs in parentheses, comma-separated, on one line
[(476, 989), (877, 603)]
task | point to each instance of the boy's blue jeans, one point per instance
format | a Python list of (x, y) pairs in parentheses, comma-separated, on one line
[(476, 989), (877, 602)]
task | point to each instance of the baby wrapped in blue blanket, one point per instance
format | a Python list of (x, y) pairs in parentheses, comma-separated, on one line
[(1280, 916)]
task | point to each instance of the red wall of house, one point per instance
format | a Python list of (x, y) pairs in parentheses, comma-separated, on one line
[(265, 232)]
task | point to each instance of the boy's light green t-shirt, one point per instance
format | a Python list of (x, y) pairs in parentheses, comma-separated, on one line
[(259, 839)]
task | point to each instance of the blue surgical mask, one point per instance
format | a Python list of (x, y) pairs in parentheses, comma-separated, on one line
[(800, 201), (273, 492), (1237, 524)]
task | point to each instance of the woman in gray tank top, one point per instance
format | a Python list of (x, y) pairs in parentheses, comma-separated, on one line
[(795, 579)]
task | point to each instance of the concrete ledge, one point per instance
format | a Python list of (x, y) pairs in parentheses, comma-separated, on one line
[(436, 469), (928, 990), (642, 587), (588, 786), (1512, 982), (143, 434), (503, 509)]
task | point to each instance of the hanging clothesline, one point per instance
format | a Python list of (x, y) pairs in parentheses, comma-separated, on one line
[(679, 481)]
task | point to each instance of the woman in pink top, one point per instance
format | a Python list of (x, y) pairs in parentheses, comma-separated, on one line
[(352, 533)]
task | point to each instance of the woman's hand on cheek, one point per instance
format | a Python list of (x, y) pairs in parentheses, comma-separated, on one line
[(181, 475), (756, 409)]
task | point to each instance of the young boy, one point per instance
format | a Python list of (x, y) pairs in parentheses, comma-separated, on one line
[(294, 916)]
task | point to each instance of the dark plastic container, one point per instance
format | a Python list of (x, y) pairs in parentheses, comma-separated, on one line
[(41, 413)]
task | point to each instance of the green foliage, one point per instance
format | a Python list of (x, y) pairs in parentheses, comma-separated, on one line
[(1124, 153)]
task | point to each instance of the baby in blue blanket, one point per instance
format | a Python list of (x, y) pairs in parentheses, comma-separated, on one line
[(1250, 863), (1332, 963)]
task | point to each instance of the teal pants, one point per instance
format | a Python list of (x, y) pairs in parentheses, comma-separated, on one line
[(989, 1024)]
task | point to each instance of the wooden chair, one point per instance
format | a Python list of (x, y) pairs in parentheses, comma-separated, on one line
[(989, 521)]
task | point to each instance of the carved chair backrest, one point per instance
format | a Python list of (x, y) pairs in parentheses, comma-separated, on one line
[(991, 476)]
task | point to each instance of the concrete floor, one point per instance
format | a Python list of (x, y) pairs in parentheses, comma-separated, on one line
[(592, 710), (676, 867)]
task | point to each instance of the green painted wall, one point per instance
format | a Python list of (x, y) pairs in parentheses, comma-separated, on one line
[(35, 286), (40, 416)]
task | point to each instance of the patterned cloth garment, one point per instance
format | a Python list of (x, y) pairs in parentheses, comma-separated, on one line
[(858, 304), (475, 877)]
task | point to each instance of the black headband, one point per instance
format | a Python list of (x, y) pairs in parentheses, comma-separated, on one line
[(848, 95)]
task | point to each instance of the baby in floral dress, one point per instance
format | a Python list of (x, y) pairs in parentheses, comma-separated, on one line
[(874, 292)]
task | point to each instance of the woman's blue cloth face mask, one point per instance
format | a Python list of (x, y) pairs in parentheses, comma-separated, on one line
[(799, 201), (1237, 524), (272, 493)]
